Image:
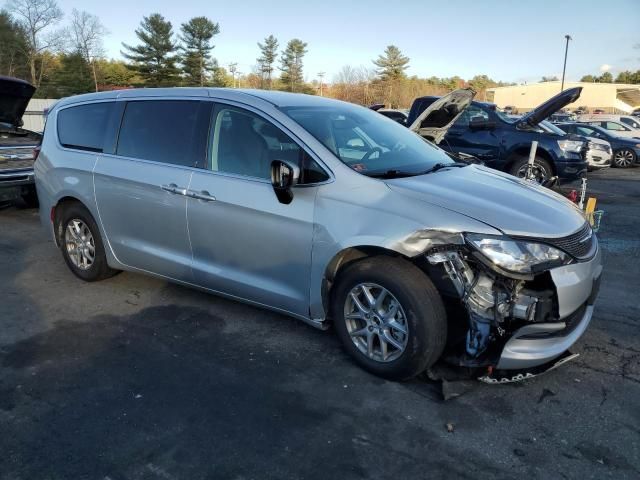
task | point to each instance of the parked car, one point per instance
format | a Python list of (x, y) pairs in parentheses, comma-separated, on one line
[(614, 127), (626, 151), (503, 142), (399, 116), (18, 147), (598, 110), (562, 117), (510, 110), (628, 120), (325, 211), (636, 112), (598, 152)]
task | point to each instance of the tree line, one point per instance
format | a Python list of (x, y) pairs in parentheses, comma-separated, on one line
[(66, 60), (626, 76)]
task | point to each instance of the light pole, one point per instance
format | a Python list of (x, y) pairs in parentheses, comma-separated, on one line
[(321, 76), (564, 68)]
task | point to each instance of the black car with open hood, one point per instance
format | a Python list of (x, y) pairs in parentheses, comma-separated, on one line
[(18, 146)]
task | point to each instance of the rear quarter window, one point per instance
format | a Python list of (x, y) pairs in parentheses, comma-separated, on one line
[(83, 127)]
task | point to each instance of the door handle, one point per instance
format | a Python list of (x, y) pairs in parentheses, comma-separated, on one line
[(173, 188), (203, 195)]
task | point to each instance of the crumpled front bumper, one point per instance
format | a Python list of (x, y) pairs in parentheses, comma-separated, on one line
[(539, 343)]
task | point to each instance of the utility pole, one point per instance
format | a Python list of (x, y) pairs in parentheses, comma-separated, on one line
[(233, 68), (321, 76), (564, 68)]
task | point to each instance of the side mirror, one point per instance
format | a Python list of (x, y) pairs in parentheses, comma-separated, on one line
[(284, 176), (480, 123)]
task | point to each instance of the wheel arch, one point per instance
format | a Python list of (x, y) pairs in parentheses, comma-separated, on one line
[(58, 207), (523, 151), (346, 257)]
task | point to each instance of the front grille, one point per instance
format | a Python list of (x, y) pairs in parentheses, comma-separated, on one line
[(579, 245)]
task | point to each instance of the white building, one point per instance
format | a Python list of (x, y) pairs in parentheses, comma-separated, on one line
[(33, 117), (610, 97)]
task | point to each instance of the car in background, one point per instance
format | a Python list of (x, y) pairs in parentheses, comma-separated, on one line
[(628, 120), (598, 152), (18, 146), (614, 127), (501, 141), (626, 151), (562, 117), (598, 110), (636, 112), (396, 115), (510, 110)]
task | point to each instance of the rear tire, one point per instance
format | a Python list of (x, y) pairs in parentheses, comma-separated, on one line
[(81, 244), (623, 158), (542, 170), (416, 307)]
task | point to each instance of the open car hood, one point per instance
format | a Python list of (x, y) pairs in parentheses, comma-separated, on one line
[(551, 106), (436, 120), (14, 97)]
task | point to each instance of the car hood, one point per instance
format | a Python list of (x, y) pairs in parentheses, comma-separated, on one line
[(551, 106), (438, 117), (14, 98), (502, 201)]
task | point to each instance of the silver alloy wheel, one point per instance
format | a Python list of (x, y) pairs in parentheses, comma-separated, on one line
[(376, 322), (623, 158), (80, 244), (539, 172)]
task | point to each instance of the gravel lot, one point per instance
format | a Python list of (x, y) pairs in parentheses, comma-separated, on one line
[(135, 378)]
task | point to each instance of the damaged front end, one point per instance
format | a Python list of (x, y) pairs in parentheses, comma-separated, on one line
[(509, 303)]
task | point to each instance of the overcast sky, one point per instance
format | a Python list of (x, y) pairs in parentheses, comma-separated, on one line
[(508, 40)]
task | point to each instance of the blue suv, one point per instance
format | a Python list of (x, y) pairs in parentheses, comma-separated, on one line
[(503, 142)]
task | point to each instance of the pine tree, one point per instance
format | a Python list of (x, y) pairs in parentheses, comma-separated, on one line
[(197, 64), (154, 58), (291, 64), (392, 64), (269, 51), (13, 38)]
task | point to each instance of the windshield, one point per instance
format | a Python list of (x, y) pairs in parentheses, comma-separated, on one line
[(506, 117), (550, 127), (368, 142)]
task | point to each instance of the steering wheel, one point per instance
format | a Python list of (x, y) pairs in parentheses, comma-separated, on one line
[(367, 155)]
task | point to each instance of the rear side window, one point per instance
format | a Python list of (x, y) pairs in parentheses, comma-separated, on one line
[(167, 131), (83, 127)]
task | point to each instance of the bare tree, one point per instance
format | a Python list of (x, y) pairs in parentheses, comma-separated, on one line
[(86, 34), (36, 17)]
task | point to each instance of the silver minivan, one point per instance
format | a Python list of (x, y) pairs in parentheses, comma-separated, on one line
[(325, 211)]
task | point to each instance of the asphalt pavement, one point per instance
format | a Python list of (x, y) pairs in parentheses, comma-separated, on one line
[(137, 378)]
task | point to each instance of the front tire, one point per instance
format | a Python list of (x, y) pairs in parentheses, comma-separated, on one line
[(623, 158), (389, 317), (542, 170), (81, 244)]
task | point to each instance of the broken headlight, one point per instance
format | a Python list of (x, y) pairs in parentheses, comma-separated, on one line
[(518, 256)]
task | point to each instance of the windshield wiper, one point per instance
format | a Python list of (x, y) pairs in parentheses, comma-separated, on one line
[(440, 166), (402, 174), (391, 174)]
